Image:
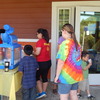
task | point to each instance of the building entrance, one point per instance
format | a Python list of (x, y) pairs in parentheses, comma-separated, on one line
[(86, 21)]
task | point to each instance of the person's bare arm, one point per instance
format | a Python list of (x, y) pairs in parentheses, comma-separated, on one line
[(88, 66), (37, 52), (59, 68)]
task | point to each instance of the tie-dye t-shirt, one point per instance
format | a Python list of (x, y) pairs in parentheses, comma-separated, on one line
[(71, 71)]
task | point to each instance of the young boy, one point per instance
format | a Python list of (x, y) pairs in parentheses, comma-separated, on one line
[(28, 66), (84, 85)]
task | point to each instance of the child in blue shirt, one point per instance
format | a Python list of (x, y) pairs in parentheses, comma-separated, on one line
[(28, 66)]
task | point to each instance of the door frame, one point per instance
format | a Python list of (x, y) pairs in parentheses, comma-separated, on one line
[(55, 28), (93, 78)]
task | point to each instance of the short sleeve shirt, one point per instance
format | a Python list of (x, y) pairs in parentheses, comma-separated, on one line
[(61, 39), (71, 71), (85, 72), (28, 65), (45, 50)]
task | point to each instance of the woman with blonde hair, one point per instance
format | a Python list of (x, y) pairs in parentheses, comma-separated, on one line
[(69, 71)]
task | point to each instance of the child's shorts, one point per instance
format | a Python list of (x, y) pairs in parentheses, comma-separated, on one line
[(65, 88), (84, 85)]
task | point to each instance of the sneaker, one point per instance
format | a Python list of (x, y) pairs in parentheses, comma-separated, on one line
[(79, 95), (90, 97), (41, 95)]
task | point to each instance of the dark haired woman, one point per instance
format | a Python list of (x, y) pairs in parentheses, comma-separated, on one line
[(43, 57), (69, 71)]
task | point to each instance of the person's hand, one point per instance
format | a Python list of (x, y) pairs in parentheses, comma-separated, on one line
[(56, 80)]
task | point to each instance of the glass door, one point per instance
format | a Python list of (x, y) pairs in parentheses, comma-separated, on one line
[(88, 21)]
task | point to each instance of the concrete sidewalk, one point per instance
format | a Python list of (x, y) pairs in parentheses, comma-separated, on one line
[(95, 91)]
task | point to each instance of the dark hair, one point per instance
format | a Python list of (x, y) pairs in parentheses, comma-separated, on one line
[(28, 49), (84, 53), (44, 33), (69, 28)]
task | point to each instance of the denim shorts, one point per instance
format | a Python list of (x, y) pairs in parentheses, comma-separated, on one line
[(65, 88)]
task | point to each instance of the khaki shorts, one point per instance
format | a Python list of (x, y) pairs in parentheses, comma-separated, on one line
[(84, 85)]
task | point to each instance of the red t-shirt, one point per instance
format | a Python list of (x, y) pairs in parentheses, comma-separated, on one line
[(45, 50)]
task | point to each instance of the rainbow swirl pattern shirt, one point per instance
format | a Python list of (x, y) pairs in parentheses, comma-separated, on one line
[(71, 71)]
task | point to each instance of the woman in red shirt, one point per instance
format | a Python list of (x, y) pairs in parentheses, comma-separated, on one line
[(43, 57)]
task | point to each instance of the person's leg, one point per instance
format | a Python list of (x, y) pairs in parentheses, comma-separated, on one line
[(44, 73), (39, 86), (64, 96), (25, 94), (42, 86), (87, 87), (88, 92), (73, 91), (45, 84), (45, 81), (78, 91), (39, 83), (32, 93), (73, 95), (63, 90)]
